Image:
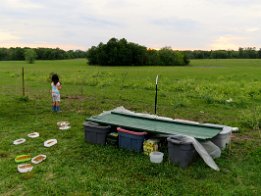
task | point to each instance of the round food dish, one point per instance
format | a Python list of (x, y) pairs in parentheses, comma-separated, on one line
[(22, 158), (24, 168), (64, 127), (50, 142), (33, 135), (19, 141), (38, 159), (63, 123)]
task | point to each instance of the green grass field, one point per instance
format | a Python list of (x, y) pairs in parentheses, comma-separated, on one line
[(73, 167)]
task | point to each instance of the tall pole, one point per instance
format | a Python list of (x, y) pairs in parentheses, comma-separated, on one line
[(23, 81), (156, 95)]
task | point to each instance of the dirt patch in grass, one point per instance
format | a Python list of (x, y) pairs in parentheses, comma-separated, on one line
[(74, 97)]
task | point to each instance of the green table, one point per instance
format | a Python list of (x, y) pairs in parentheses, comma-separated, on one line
[(150, 124)]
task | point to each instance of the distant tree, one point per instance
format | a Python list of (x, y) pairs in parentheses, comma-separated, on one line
[(219, 54), (259, 53), (152, 57), (30, 55), (167, 56)]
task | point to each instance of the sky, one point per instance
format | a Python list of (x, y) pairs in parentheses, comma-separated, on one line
[(179, 24)]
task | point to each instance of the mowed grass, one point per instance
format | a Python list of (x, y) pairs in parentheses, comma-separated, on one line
[(74, 167)]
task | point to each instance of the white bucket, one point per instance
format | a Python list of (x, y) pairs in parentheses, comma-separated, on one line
[(156, 157)]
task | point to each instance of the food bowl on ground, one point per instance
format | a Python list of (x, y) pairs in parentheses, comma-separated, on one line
[(19, 141), (24, 168), (50, 142), (38, 159), (22, 158), (64, 127), (156, 157), (63, 123), (33, 135)]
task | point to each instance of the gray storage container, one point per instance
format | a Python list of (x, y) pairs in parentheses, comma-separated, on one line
[(96, 133), (181, 153), (223, 138)]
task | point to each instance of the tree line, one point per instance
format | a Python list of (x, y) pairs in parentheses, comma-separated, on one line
[(122, 52), (19, 53), (241, 53)]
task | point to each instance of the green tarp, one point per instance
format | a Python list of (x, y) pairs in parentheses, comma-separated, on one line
[(141, 123)]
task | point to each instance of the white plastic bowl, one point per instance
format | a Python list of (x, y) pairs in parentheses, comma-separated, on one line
[(33, 135), (24, 168), (19, 141), (50, 142), (38, 159), (64, 127), (156, 157)]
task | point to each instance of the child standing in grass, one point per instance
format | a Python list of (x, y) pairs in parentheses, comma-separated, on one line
[(56, 87)]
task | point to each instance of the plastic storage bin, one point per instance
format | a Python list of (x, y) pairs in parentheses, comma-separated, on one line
[(96, 133), (223, 138), (131, 140), (181, 153)]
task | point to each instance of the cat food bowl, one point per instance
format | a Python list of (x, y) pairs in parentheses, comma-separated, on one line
[(50, 142), (33, 135), (24, 168), (22, 158), (19, 141), (38, 159), (63, 123), (64, 127)]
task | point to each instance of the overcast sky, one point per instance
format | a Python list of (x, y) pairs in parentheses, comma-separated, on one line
[(180, 24)]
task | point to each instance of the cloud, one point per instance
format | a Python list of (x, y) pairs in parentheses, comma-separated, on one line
[(18, 4), (227, 42), (252, 29), (176, 23), (180, 24), (8, 37)]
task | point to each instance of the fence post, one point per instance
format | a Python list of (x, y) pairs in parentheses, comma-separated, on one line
[(23, 81)]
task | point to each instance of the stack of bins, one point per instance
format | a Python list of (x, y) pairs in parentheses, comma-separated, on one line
[(96, 133), (131, 140)]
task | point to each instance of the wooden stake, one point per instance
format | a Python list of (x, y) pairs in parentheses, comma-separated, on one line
[(23, 89)]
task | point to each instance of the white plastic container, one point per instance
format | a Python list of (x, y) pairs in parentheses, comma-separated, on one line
[(19, 141), (156, 157), (24, 168), (49, 143), (38, 159), (64, 127), (33, 135), (63, 123)]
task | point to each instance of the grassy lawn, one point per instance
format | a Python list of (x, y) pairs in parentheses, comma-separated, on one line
[(74, 167)]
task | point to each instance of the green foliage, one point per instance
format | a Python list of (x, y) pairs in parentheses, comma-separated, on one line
[(41, 53), (30, 55), (121, 52)]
